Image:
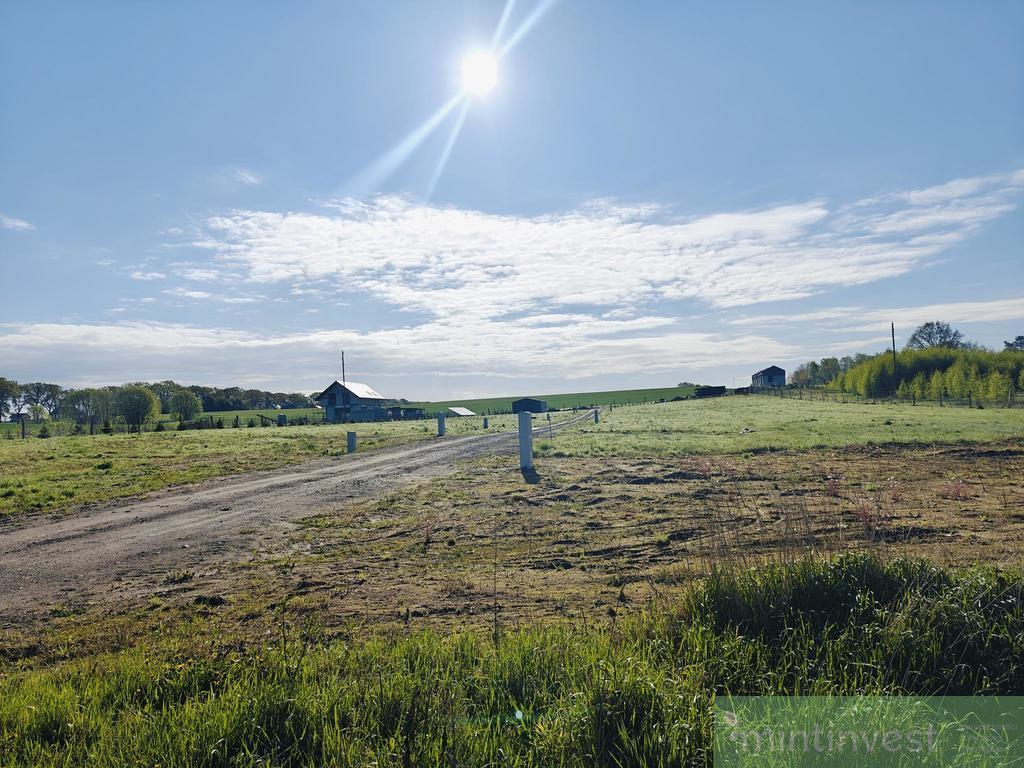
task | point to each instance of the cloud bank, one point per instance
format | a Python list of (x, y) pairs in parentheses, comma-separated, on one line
[(593, 292), (462, 263)]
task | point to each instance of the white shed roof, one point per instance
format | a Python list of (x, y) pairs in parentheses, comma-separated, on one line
[(460, 411), (364, 391)]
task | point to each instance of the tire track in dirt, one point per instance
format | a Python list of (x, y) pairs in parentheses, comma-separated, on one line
[(121, 550)]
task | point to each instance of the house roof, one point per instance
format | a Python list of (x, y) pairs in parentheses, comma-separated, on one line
[(529, 399), (364, 391), (458, 410), (769, 369)]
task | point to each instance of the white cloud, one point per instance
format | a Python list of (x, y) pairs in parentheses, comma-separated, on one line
[(958, 206), (247, 177), (200, 275), (872, 318), (451, 262), (187, 293), (20, 225), (953, 312), (184, 293), (140, 275)]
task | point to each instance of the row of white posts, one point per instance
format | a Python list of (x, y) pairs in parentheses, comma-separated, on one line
[(525, 436)]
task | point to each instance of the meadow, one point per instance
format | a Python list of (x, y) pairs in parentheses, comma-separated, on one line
[(669, 555), (60, 472), (755, 423)]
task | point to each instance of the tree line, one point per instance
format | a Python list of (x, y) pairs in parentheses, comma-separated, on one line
[(822, 372), (936, 363), (135, 403)]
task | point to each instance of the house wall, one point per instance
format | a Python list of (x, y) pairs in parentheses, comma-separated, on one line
[(769, 380), (529, 404)]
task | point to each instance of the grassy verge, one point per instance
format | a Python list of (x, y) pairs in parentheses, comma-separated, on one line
[(757, 423), (636, 692), (59, 472)]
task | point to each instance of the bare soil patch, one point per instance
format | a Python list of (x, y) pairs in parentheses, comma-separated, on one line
[(594, 537)]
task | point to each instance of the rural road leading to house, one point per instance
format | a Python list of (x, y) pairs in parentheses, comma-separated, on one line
[(121, 551)]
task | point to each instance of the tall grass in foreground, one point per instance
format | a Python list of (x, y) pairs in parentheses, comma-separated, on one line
[(636, 693)]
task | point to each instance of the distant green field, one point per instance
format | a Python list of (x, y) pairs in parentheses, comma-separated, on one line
[(569, 400), (749, 423)]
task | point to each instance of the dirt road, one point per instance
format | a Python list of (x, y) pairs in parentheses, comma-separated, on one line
[(124, 550)]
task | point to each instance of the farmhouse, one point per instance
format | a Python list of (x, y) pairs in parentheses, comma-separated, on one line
[(530, 405), (352, 402), (772, 376)]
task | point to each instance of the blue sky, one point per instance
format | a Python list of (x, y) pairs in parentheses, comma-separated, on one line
[(653, 192)]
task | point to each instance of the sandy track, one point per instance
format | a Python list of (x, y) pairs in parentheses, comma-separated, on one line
[(123, 550)]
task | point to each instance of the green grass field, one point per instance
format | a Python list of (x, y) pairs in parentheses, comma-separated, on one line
[(737, 424), (67, 471), (570, 400), (639, 692), (269, 675)]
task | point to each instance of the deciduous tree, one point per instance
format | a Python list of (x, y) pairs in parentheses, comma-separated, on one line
[(185, 406), (136, 405), (89, 406), (10, 396), (936, 334)]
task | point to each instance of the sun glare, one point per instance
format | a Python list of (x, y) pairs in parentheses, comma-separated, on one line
[(479, 72)]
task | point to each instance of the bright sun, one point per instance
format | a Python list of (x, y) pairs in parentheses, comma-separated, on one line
[(479, 72)]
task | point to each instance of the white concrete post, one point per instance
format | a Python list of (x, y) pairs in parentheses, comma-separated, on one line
[(525, 441), (351, 442), (486, 422), (440, 425), (597, 415)]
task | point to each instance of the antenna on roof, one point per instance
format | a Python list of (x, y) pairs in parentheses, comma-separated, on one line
[(343, 368)]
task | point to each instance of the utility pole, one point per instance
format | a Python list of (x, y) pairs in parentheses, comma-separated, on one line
[(893, 326), (343, 368)]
